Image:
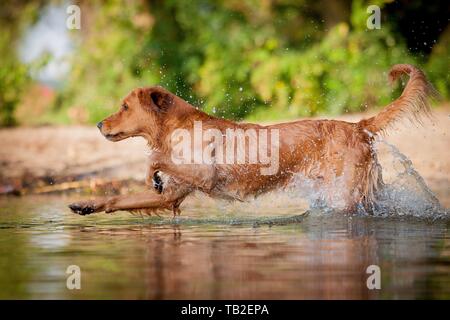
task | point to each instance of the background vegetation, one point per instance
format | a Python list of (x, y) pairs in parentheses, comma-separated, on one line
[(268, 59)]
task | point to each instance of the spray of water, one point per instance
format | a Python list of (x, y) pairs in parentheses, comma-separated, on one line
[(404, 193)]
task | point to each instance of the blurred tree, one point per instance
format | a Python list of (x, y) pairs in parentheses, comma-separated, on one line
[(438, 65), (238, 58), (14, 17), (108, 61)]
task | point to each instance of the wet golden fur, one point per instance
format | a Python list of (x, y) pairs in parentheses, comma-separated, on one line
[(336, 156)]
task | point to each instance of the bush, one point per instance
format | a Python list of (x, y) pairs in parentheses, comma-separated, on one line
[(235, 59), (13, 74)]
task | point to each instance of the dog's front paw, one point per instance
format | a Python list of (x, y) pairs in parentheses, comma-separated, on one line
[(83, 208)]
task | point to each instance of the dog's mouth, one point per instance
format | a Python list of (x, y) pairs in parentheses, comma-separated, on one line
[(115, 137)]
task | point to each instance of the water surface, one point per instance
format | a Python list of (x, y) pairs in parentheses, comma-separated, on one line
[(211, 253)]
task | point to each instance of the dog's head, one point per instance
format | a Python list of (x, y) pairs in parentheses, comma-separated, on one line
[(142, 113)]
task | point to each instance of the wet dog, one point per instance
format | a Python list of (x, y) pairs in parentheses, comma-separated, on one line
[(335, 156)]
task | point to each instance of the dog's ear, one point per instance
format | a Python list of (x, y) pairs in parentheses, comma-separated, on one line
[(155, 98), (162, 100)]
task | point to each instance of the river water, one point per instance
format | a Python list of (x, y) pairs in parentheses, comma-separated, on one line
[(213, 253), (271, 248)]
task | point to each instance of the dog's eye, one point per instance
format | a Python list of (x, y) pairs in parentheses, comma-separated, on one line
[(125, 106)]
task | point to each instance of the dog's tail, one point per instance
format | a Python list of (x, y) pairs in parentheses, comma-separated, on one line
[(412, 104)]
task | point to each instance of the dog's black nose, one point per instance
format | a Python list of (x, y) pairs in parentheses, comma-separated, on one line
[(100, 125)]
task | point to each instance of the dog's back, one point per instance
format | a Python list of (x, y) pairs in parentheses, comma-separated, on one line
[(336, 156)]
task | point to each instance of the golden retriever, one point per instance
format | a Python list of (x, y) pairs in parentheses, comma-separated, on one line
[(336, 157)]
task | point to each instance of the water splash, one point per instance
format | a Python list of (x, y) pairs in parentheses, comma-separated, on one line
[(407, 193), (404, 193)]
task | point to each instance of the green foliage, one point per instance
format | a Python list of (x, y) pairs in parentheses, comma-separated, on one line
[(13, 73), (193, 48), (346, 71), (438, 65), (13, 79), (234, 58), (108, 63)]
